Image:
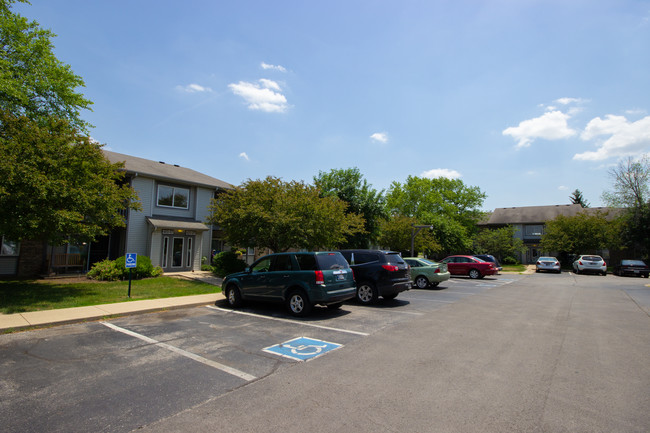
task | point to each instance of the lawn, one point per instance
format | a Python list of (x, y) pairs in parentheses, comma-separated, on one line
[(19, 296), (514, 268)]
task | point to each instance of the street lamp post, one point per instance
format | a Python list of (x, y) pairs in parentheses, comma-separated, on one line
[(414, 232)]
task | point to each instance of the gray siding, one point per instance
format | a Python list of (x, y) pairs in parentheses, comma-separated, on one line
[(203, 196), (8, 265), (137, 237)]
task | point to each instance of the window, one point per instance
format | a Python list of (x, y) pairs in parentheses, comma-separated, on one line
[(535, 230), (9, 248), (170, 196)]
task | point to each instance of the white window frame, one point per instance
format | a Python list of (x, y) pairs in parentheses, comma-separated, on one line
[(174, 190)]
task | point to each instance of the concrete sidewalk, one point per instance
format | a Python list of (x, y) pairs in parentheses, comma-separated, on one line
[(79, 314)]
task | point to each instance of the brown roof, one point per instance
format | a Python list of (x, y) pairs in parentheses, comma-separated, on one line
[(161, 170), (531, 214)]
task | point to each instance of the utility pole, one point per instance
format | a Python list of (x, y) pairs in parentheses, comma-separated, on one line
[(414, 232)]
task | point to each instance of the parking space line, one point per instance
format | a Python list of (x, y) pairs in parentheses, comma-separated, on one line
[(247, 377), (293, 322)]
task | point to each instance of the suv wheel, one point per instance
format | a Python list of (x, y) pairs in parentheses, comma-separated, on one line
[(366, 293), (421, 282), (474, 274), (233, 296), (298, 303)]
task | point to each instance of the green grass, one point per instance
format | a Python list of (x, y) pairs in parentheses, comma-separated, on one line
[(513, 268), (19, 296)]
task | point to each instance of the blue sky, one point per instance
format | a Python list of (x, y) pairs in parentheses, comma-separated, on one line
[(527, 100)]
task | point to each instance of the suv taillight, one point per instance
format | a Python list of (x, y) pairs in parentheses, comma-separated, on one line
[(390, 268), (319, 277)]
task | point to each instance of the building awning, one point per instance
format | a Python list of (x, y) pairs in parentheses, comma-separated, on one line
[(158, 223)]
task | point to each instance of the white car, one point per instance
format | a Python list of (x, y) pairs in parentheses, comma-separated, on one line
[(590, 263), (548, 264)]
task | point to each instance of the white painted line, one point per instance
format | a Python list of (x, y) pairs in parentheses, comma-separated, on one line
[(293, 322), (218, 366)]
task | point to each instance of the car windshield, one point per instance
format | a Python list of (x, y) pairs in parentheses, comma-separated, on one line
[(593, 258)]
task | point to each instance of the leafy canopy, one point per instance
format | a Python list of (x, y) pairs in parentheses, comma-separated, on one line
[(280, 215), (447, 204), (397, 232), (33, 82), (349, 186), (55, 184), (581, 234), (499, 242)]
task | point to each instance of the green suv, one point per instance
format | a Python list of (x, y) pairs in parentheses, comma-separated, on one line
[(300, 280)]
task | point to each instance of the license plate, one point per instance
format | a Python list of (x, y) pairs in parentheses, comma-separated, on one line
[(340, 277)]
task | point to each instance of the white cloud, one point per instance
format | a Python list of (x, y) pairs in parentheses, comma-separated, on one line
[(562, 187), (194, 88), (566, 101), (549, 126), (625, 138), (441, 172), (381, 137), (243, 155), (264, 96), (273, 67)]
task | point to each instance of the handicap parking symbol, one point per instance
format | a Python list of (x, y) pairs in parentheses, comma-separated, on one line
[(302, 348)]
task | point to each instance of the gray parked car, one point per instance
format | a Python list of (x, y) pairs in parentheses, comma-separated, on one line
[(548, 264)]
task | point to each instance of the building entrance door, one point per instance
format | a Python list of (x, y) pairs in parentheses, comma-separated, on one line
[(177, 253)]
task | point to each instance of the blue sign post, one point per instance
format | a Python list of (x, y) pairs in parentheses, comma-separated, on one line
[(130, 263)]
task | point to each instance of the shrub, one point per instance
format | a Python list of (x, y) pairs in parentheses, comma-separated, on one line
[(510, 261), (105, 271), (116, 269), (227, 262)]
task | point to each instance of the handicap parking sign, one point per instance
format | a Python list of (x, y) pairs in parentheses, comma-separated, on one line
[(302, 348), (131, 260)]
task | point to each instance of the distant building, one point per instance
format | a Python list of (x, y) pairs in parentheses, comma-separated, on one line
[(530, 223)]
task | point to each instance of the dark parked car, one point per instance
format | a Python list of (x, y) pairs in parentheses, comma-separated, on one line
[(378, 273), (300, 280), (636, 268), (490, 258), (470, 266)]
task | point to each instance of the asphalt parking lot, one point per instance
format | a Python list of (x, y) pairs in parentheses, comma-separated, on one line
[(130, 372)]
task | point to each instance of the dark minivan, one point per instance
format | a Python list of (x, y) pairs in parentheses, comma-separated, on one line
[(300, 280), (378, 273)]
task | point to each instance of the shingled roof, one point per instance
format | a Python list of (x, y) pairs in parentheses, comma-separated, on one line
[(531, 214), (161, 170)]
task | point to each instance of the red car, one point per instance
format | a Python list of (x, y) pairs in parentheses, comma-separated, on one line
[(469, 265)]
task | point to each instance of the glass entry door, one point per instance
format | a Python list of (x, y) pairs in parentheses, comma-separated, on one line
[(177, 253)]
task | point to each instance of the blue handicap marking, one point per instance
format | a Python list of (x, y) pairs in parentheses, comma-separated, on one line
[(302, 348), (131, 260)]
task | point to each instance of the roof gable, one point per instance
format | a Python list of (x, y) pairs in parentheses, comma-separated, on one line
[(163, 171)]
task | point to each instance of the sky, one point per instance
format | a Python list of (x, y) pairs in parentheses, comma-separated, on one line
[(526, 100)]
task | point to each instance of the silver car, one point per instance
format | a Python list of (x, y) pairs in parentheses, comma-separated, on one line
[(548, 264), (590, 263)]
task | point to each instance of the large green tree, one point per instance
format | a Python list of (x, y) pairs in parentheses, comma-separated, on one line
[(581, 234), (452, 207), (500, 242), (398, 232), (279, 215), (350, 186), (33, 82), (55, 183), (631, 191)]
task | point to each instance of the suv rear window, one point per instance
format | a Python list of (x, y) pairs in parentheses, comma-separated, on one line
[(394, 258), (331, 261)]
